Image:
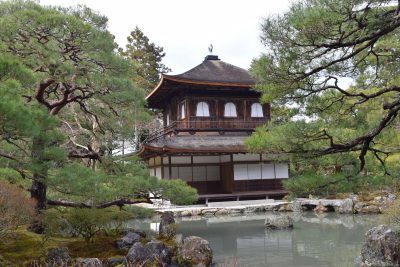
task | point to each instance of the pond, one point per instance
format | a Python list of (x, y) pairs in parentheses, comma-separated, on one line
[(324, 240)]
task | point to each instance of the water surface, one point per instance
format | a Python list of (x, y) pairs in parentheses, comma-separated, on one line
[(327, 240)]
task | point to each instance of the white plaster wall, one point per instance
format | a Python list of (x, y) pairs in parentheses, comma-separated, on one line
[(240, 172), (180, 160), (206, 159), (268, 171), (282, 170)]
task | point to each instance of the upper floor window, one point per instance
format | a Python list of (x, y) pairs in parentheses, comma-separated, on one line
[(230, 110), (202, 110), (182, 112), (256, 110)]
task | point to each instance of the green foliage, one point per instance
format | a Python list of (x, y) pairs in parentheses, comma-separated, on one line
[(331, 185), (331, 72), (86, 223), (139, 212), (147, 57), (116, 180), (66, 96), (391, 215), (178, 191)]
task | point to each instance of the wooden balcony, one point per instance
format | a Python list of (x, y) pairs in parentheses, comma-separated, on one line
[(208, 124)]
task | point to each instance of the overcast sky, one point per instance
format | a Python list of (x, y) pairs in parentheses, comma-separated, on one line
[(186, 28)]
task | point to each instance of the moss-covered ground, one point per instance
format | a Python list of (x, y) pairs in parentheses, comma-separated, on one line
[(25, 248)]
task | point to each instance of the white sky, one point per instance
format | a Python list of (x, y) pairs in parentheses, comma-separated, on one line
[(186, 28)]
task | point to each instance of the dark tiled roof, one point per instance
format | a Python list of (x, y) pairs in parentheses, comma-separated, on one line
[(214, 70)]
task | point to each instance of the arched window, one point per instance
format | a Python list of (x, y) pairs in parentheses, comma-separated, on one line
[(256, 110), (182, 110), (202, 110), (230, 110)]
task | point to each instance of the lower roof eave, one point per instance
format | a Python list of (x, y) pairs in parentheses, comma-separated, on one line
[(149, 151)]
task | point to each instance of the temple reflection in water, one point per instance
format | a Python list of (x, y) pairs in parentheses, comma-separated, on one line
[(326, 241)]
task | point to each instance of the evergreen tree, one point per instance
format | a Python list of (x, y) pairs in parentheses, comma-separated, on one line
[(65, 94), (312, 50), (147, 57)]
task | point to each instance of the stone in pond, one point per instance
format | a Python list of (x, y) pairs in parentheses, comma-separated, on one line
[(279, 222), (167, 227)]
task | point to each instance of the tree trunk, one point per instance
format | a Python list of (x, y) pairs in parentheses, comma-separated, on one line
[(39, 187)]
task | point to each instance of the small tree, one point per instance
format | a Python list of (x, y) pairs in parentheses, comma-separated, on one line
[(16, 208)]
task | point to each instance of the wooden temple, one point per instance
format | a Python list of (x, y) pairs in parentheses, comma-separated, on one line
[(208, 112)]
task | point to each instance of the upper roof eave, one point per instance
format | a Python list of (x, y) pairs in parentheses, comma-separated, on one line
[(175, 79)]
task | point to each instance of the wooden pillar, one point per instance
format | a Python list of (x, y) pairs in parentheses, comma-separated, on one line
[(162, 167), (169, 167), (244, 110)]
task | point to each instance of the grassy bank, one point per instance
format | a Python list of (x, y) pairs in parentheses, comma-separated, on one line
[(24, 248)]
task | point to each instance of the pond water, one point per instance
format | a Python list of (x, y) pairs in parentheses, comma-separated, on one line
[(326, 240)]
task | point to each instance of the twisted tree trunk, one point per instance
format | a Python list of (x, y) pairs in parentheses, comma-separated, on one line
[(39, 187)]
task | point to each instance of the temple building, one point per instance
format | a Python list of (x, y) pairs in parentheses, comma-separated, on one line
[(208, 112)]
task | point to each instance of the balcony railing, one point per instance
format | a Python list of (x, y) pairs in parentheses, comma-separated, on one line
[(208, 124), (215, 124)]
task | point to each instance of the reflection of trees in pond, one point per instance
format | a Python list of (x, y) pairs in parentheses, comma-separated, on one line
[(334, 240)]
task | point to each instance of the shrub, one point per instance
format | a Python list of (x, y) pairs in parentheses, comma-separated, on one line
[(86, 223), (138, 212), (16, 208), (325, 185)]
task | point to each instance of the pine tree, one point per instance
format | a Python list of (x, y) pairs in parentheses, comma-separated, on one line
[(147, 58)]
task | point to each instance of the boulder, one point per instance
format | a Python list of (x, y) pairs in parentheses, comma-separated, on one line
[(381, 247), (370, 209), (113, 262), (320, 209), (138, 255), (167, 227), (391, 197), (154, 252), (159, 251), (88, 262), (195, 251), (346, 206), (279, 222), (141, 233), (209, 212), (358, 206), (179, 240), (221, 212), (58, 257), (296, 206), (128, 240), (185, 213), (286, 207)]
